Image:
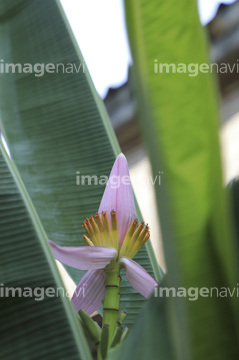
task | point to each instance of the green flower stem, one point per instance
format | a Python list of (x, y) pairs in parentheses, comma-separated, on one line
[(112, 298)]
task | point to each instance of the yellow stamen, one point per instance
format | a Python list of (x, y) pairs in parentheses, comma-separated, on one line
[(128, 237), (96, 230), (134, 238), (101, 229), (89, 229), (114, 229), (87, 240), (144, 236), (102, 234), (106, 225)]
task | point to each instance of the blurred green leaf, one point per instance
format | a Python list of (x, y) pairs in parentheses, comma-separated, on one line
[(233, 188), (180, 122), (56, 125), (38, 326)]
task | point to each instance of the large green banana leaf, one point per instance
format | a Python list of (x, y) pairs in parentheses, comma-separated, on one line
[(38, 326), (180, 122), (56, 125)]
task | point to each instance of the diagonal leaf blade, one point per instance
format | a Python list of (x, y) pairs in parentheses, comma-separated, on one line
[(34, 323)]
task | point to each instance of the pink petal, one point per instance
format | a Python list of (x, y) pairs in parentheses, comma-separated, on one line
[(83, 257), (90, 292), (138, 278), (119, 196)]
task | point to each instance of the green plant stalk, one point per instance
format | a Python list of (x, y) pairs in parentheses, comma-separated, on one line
[(125, 333), (104, 341), (112, 298), (117, 336), (99, 357)]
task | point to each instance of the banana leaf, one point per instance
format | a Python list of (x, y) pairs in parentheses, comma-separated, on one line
[(179, 117), (56, 126), (33, 324)]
